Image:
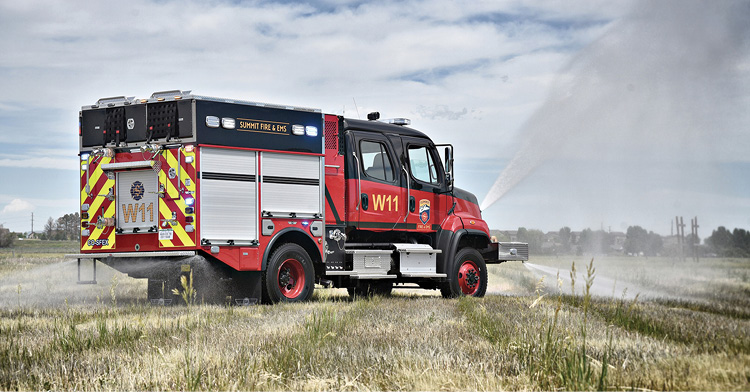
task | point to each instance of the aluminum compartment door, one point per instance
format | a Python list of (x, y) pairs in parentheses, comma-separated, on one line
[(228, 195), (291, 183), (137, 200)]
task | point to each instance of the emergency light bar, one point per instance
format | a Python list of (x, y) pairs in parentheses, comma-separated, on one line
[(399, 121)]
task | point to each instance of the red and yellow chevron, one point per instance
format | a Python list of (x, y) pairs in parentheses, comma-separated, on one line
[(178, 178), (94, 191)]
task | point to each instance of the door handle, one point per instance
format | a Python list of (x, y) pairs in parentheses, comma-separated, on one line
[(365, 201), (412, 203)]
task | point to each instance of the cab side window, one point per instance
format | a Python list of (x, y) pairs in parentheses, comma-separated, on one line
[(422, 165), (375, 160)]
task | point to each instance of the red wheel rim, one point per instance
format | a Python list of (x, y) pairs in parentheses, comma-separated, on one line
[(468, 278), (291, 278)]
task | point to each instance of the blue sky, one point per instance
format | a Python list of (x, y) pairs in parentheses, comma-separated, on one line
[(487, 76)]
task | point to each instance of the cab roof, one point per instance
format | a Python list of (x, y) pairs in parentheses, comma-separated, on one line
[(383, 127)]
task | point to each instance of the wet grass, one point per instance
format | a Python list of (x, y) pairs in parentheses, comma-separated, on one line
[(541, 338)]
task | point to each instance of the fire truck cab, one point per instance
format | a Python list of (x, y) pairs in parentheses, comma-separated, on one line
[(260, 202)]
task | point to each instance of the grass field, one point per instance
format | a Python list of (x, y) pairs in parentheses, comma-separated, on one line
[(633, 323)]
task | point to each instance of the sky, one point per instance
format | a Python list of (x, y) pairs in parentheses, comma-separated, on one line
[(587, 114)]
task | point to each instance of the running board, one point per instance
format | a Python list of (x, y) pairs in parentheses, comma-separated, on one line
[(339, 273), (358, 275), (425, 275), (169, 253), (373, 276)]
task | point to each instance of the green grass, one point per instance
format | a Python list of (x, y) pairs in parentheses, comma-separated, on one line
[(527, 336)]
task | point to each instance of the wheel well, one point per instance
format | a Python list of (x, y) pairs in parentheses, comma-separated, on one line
[(296, 237), (472, 240)]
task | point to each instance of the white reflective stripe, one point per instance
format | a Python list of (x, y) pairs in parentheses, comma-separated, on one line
[(127, 165), (177, 253)]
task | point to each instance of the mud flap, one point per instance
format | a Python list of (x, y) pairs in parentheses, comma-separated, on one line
[(93, 279), (247, 287)]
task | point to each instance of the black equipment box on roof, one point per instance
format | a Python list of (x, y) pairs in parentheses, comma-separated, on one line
[(181, 117)]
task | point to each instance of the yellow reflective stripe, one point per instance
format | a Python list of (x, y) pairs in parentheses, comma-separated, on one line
[(184, 237), (178, 230), (94, 178), (111, 240), (171, 163), (96, 233), (185, 175), (166, 214), (109, 213)]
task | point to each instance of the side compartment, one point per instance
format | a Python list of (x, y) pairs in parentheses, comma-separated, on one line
[(229, 194)]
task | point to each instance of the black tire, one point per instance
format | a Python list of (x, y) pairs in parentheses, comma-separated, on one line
[(368, 289), (289, 276), (467, 276)]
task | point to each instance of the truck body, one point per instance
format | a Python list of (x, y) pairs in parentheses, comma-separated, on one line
[(262, 201)]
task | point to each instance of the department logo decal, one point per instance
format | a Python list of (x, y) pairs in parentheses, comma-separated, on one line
[(424, 211), (137, 190)]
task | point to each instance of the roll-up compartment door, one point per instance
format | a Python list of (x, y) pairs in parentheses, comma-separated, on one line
[(228, 195), (291, 183)]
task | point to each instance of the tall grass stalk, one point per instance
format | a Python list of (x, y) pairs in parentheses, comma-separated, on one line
[(188, 292)]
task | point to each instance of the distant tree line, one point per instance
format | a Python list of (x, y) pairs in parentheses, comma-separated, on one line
[(637, 241), (725, 243), (6, 237), (66, 227), (587, 241)]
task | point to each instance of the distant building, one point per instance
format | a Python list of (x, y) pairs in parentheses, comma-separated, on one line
[(618, 240)]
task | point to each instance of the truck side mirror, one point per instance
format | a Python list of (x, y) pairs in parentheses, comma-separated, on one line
[(449, 167)]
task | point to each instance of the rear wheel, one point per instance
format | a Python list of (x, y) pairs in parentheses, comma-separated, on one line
[(468, 275), (290, 275)]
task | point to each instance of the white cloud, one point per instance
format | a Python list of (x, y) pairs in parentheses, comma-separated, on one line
[(69, 163), (17, 205), (469, 73)]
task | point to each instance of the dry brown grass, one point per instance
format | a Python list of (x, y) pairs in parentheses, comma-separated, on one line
[(405, 342)]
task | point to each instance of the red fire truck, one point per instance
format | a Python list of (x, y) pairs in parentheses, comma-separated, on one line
[(261, 202)]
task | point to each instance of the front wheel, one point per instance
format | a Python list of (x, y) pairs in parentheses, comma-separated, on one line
[(468, 275), (290, 275)]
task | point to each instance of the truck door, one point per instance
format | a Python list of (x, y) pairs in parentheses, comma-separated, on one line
[(426, 180), (381, 203)]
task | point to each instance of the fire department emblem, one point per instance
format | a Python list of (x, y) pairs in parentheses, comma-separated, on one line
[(424, 211), (137, 190)]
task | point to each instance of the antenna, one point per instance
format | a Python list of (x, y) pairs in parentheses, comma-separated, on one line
[(355, 107)]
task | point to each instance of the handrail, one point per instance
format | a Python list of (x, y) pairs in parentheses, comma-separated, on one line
[(408, 193), (359, 182)]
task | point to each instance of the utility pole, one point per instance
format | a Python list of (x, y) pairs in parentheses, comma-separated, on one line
[(694, 231), (678, 222), (32, 225)]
